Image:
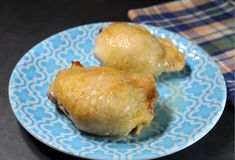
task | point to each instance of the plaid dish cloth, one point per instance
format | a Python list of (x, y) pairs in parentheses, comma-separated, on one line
[(208, 23)]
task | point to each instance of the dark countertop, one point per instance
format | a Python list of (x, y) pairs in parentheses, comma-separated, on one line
[(25, 23)]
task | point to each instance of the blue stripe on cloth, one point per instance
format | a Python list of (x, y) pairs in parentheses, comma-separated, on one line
[(176, 14), (183, 27), (174, 21), (230, 76)]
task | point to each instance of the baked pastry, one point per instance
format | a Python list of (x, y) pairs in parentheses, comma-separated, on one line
[(133, 48), (105, 101)]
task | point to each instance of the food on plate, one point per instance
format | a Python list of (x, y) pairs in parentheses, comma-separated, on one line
[(133, 48), (105, 101)]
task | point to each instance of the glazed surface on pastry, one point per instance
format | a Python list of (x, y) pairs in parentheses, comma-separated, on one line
[(105, 101), (133, 48)]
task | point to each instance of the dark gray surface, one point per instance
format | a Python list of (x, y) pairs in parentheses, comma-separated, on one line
[(25, 23)]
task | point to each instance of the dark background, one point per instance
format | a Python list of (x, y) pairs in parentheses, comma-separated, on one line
[(25, 23)]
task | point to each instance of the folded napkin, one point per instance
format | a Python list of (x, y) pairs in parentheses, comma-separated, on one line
[(208, 23)]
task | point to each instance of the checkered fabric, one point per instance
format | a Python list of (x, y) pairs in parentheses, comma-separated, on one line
[(208, 23)]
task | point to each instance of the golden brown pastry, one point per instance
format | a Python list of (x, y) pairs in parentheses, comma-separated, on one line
[(105, 101), (133, 48)]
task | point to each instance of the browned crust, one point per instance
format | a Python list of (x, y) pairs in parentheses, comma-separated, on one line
[(76, 63), (151, 98), (150, 91), (51, 97), (152, 95)]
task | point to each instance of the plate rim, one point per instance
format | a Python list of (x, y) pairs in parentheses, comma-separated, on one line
[(204, 133)]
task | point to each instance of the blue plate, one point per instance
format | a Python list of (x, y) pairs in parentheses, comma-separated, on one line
[(190, 103)]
